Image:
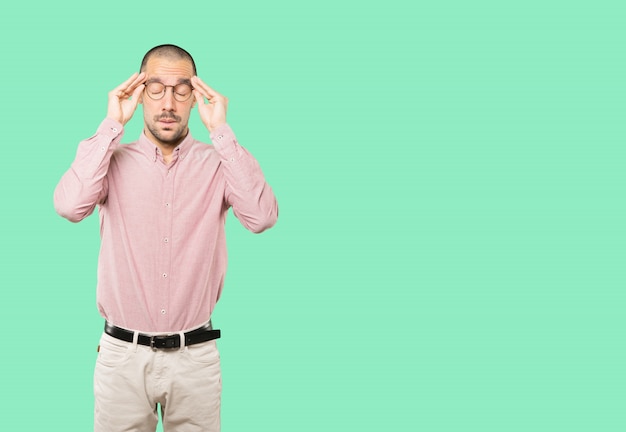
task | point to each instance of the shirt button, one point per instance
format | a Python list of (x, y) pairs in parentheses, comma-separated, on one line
[(166, 240), (103, 148), (162, 311), (114, 129), (164, 275), (167, 204), (219, 137)]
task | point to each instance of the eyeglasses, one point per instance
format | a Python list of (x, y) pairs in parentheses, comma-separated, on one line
[(156, 90)]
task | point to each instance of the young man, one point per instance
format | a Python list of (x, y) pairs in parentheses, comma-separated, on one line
[(162, 202)]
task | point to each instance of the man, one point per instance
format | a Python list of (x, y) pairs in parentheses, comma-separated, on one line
[(162, 201)]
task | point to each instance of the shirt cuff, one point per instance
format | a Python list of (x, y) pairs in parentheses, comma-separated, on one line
[(225, 142), (111, 128)]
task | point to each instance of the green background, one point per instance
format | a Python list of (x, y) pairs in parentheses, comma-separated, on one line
[(450, 249)]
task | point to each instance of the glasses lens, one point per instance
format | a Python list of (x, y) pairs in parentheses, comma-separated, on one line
[(182, 92), (155, 90)]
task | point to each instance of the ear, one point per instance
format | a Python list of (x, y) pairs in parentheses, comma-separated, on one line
[(140, 99)]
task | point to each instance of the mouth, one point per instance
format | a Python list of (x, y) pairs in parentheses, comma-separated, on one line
[(167, 124)]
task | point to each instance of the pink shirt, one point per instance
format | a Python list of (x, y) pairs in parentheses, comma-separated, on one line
[(163, 248)]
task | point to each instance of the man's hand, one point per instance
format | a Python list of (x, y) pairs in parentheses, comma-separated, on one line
[(213, 113), (124, 98)]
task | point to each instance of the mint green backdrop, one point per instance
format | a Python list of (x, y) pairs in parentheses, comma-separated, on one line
[(449, 255)]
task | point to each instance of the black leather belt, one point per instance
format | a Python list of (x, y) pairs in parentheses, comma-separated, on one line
[(202, 334)]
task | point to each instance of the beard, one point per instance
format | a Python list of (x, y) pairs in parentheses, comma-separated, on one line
[(171, 134)]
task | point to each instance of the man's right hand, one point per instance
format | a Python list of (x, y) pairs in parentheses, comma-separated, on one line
[(124, 98)]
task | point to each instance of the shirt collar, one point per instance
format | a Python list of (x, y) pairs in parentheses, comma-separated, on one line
[(151, 150)]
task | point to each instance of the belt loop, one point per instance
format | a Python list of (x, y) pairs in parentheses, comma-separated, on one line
[(181, 335), (135, 338)]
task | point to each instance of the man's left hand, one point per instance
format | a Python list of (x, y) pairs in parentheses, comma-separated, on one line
[(213, 113)]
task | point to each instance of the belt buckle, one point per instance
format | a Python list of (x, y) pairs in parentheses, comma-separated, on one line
[(164, 342), (152, 346)]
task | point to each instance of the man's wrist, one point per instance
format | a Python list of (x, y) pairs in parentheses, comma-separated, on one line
[(116, 119), (221, 129), (214, 128)]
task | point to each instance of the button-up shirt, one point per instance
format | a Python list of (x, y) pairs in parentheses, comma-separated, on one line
[(163, 249)]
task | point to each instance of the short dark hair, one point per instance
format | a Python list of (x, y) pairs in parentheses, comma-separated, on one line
[(169, 51)]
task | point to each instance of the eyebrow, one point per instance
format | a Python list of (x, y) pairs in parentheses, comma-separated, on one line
[(180, 81)]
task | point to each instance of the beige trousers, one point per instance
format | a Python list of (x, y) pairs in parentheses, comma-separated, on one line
[(131, 381)]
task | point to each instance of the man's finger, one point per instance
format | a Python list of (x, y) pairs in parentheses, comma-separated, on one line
[(125, 84), (138, 81), (138, 91), (207, 89), (129, 85), (200, 87), (199, 96)]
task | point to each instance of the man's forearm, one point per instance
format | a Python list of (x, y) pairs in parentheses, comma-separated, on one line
[(83, 185), (252, 199)]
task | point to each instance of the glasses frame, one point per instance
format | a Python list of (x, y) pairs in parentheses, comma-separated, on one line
[(165, 91)]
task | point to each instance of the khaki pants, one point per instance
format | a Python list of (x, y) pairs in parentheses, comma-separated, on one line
[(130, 380)]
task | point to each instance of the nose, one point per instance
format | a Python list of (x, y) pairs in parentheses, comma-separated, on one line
[(168, 99)]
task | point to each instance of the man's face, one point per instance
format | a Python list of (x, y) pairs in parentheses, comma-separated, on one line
[(166, 119)]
